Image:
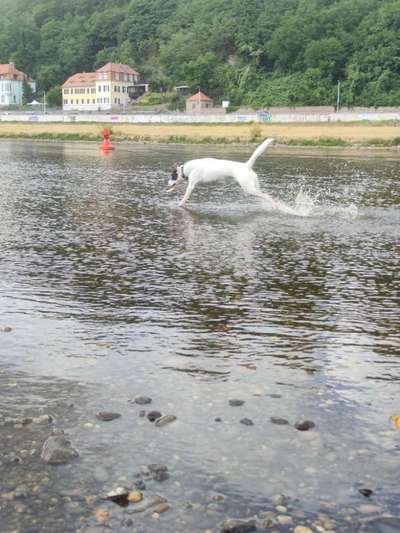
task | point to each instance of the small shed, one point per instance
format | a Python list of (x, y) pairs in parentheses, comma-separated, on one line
[(198, 103)]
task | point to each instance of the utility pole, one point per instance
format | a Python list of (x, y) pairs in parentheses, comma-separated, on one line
[(44, 101), (338, 97)]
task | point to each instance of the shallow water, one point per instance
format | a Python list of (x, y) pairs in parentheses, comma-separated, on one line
[(112, 291)]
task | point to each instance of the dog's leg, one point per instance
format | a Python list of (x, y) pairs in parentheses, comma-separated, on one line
[(188, 192)]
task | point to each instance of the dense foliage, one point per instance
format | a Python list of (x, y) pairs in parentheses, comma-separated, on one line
[(258, 52)]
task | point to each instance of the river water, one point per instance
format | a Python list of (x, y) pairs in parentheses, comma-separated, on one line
[(109, 290)]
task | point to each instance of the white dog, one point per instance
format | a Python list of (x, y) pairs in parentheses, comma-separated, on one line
[(207, 169)]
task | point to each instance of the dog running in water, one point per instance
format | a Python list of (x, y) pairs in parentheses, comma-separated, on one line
[(207, 169)]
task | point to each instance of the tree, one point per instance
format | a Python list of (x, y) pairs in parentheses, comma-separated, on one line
[(28, 94)]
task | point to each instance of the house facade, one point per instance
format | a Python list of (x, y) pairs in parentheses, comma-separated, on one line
[(12, 85), (198, 103), (103, 90)]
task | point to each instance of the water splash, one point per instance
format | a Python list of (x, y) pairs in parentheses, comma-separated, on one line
[(309, 204)]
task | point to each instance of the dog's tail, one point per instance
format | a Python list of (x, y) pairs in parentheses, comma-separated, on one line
[(258, 151)]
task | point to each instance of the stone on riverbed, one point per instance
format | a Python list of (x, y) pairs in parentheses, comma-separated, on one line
[(164, 420), (153, 415), (305, 425), (279, 421), (236, 403), (150, 500), (158, 472), (247, 422), (142, 400), (118, 495), (57, 450), (238, 526), (107, 416)]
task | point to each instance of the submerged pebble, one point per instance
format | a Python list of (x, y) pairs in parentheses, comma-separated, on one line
[(236, 403), (279, 421), (57, 450), (142, 400), (107, 416), (247, 422), (153, 415), (305, 425), (238, 526), (164, 420)]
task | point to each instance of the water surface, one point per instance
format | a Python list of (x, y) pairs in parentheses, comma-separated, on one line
[(113, 291)]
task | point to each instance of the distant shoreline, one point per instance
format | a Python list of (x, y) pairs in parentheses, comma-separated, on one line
[(318, 135)]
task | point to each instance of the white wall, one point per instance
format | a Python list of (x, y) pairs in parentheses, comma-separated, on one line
[(11, 92), (184, 118)]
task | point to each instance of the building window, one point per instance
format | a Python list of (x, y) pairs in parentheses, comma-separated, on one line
[(65, 102)]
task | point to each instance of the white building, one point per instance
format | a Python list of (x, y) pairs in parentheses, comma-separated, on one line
[(103, 90), (12, 85)]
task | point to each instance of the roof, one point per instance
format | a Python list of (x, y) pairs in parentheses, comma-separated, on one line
[(118, 67), (81, 79), (199, 97), (9, 72)]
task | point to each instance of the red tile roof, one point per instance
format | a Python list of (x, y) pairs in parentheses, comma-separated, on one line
[(81, 79), (9, 72), (118, 67), (199, 97)]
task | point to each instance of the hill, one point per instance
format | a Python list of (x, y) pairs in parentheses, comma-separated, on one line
[(255, 53)]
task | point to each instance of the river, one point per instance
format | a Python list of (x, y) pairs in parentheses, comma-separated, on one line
[(109, 291)]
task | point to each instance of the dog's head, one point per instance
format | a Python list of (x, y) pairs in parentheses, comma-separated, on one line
[(176, 177)]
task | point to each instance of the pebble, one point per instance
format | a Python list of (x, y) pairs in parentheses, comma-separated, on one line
[(150, 501), (57, 450), (366, 508), (41, 420), (6, 329), (135, 496), (142, 400), (279, 421), (153, 415), (161, 508), (236, 403), (218, 419), (164, 420), (101, 516), (284, 520), (140, 484), (118, 495), (302, 529), (11, 459), (281, 508), (107, 416), (238, 526), (247, 422), (305, 425), (366, 492)]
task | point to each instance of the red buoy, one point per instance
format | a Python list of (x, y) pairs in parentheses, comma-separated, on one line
[(106, 145)]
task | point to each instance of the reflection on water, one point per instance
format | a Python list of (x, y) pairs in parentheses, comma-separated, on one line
[(104, 280)]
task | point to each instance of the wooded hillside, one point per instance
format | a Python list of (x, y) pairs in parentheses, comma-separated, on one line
[(258, 52)]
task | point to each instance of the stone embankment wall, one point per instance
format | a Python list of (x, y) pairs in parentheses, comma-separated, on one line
[(272, 115)]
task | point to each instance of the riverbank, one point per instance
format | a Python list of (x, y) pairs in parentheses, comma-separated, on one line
[(315, 134)]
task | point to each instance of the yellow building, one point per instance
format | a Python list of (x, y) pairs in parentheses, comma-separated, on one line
[(105, 89)]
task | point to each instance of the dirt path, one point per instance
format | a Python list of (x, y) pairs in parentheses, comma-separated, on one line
[(285, 133)]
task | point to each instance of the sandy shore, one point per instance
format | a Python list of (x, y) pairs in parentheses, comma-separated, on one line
[(332, 134)]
